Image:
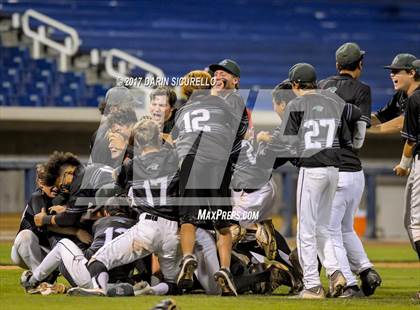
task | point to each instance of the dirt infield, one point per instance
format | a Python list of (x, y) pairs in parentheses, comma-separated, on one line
[(398, 265), (9, 267)]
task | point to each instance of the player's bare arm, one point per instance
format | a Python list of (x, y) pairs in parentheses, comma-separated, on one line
[(391, 127), (403, 168)]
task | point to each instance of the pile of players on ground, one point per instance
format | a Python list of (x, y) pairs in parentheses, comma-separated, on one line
[(162, 207)]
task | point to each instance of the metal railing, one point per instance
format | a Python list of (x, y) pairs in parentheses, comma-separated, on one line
[(66, 49), (127, 62)]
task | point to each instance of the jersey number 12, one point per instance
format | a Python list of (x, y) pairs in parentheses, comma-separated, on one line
[(193, 120)]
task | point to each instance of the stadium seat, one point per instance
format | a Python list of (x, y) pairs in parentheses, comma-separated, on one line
[(30, 100), (299, 31), (4, 100)]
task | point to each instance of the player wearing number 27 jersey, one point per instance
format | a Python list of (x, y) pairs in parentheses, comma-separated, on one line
[(314, 128)]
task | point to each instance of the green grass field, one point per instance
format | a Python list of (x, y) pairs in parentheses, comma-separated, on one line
[(400, 281)]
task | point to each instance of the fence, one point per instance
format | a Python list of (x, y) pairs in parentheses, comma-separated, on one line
[(288, 176)]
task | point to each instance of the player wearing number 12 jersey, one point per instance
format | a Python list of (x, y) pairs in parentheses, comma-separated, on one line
[(207, 128)]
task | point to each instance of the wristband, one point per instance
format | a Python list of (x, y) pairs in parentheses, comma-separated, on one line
[(46, 220), (405, 162)]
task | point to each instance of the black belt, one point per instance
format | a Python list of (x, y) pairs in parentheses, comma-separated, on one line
[(151, 217)]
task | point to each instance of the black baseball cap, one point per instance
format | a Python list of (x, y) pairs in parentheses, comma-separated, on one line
[(227, 65), (402, 61), (348, 53), (302, 72)]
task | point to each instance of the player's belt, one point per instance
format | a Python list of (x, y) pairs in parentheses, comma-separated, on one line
[(151, 217)]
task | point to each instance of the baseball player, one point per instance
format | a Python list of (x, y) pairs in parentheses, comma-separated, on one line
[(112, 223), (120, 125), (65, 172), (31, 244), (410, 164), (116, 98), (253, 194), (390, 118), (162, 109), (347, 245), (313, 130), (153, 181), (207, 128)]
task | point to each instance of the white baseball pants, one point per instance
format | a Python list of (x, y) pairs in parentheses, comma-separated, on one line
[(347, 245), (315, 193)]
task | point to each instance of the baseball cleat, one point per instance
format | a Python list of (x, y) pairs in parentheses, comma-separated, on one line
[(120, 289), (166, 304), (27, 282), (265, 238), (143, 288), (186, 275), (316, 292), (79, 291), (225, 280), (337, 284), (370, 281), (352, 292), (51, 289)]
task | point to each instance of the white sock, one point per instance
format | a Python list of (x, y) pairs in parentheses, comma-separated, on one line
[(161, 289)]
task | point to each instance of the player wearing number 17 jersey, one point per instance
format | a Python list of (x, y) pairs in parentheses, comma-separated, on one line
[(314, 129), (152, 181)]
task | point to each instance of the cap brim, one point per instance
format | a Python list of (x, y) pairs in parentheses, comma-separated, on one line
[(215, 67), (391, 67)]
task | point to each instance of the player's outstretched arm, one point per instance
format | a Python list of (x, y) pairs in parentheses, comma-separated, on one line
[(391, 127)]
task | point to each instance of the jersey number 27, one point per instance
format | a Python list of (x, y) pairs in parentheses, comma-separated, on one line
[(313, 132)]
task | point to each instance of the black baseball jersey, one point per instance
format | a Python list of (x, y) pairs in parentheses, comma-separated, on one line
[(37, 201), (351, 91), (394, 108), (354, 92), (86, 182), (105, 229), (411, 130), (277, 152), (169, 126), (237, 105), (99, 151), (153, 182), (313, 127), (207, 128), (247, 174)]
